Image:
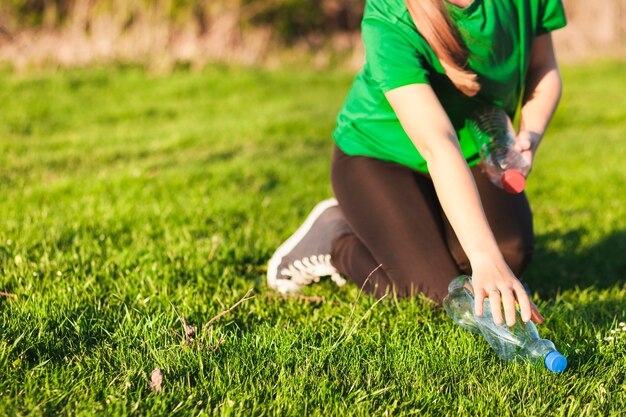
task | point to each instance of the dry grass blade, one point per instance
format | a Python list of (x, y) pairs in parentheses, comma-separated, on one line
[(217, 344), (343, 337), (177, 334), (6, 294), (156, 380), (189, 336), (362, 288), (231, 308)]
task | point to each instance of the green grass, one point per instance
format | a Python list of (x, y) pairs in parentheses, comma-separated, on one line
[(129, 200)]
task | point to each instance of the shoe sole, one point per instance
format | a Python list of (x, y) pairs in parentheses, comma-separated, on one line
[(287, 285)]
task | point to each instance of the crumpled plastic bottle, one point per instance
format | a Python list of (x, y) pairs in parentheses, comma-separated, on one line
[(510, 343), (494, 135)]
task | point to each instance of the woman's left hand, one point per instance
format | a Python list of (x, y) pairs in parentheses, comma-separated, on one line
[(526, 143)]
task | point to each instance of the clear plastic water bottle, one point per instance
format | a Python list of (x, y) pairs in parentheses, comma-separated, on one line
[(494, 135), (510, 343)]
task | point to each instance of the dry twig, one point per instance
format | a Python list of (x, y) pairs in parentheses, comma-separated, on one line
[(231, 308), (190, 332), (315, 299), (6, 294)]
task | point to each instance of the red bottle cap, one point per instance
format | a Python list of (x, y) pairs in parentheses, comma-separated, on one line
[(513, 181)]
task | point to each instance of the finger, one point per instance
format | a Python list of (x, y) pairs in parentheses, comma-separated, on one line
[(496, 306), (535, 315), (523, 142), (523, 301), (479, 302), (508, 301)]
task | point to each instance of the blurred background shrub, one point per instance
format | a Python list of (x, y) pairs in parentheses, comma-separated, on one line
[(165, 33)]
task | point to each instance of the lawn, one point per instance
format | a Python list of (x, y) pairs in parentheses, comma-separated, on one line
[(133, 203)]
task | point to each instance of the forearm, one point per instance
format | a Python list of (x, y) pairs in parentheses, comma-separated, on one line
[(541, 101), (461, 203), (543, 89), (459, 198), (434, 137)]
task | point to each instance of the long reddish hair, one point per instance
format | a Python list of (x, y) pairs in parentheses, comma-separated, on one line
[(434, 23)]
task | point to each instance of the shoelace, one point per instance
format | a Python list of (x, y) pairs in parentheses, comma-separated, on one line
[(311, 268)]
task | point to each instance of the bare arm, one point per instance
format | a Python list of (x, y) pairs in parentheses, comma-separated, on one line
[(543, 92), (428, 126)]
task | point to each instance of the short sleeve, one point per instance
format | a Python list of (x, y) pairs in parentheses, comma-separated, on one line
[(551, 16), (392, 60)]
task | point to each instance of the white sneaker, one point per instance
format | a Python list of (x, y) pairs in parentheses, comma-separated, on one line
[(305, 256)]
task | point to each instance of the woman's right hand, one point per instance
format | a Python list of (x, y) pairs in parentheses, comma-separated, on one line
[(494, 280)]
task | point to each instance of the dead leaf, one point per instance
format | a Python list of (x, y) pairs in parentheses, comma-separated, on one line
[(189, 331), (156, 379)]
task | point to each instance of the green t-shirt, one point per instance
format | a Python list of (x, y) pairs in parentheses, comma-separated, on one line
[(499, 35)]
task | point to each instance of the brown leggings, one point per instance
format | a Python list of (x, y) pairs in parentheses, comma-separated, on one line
[(398, 222)]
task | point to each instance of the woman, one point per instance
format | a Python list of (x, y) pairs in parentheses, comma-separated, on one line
[(409, 196)]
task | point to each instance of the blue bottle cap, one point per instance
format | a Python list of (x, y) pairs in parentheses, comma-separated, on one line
[(555, 362)]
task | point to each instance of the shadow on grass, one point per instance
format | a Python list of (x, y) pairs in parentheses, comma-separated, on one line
[(57, 338), (573, 265)]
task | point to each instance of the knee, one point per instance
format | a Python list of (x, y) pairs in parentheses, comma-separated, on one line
[(517, 253)]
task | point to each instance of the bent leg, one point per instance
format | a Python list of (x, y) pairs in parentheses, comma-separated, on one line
[(396, 219)]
